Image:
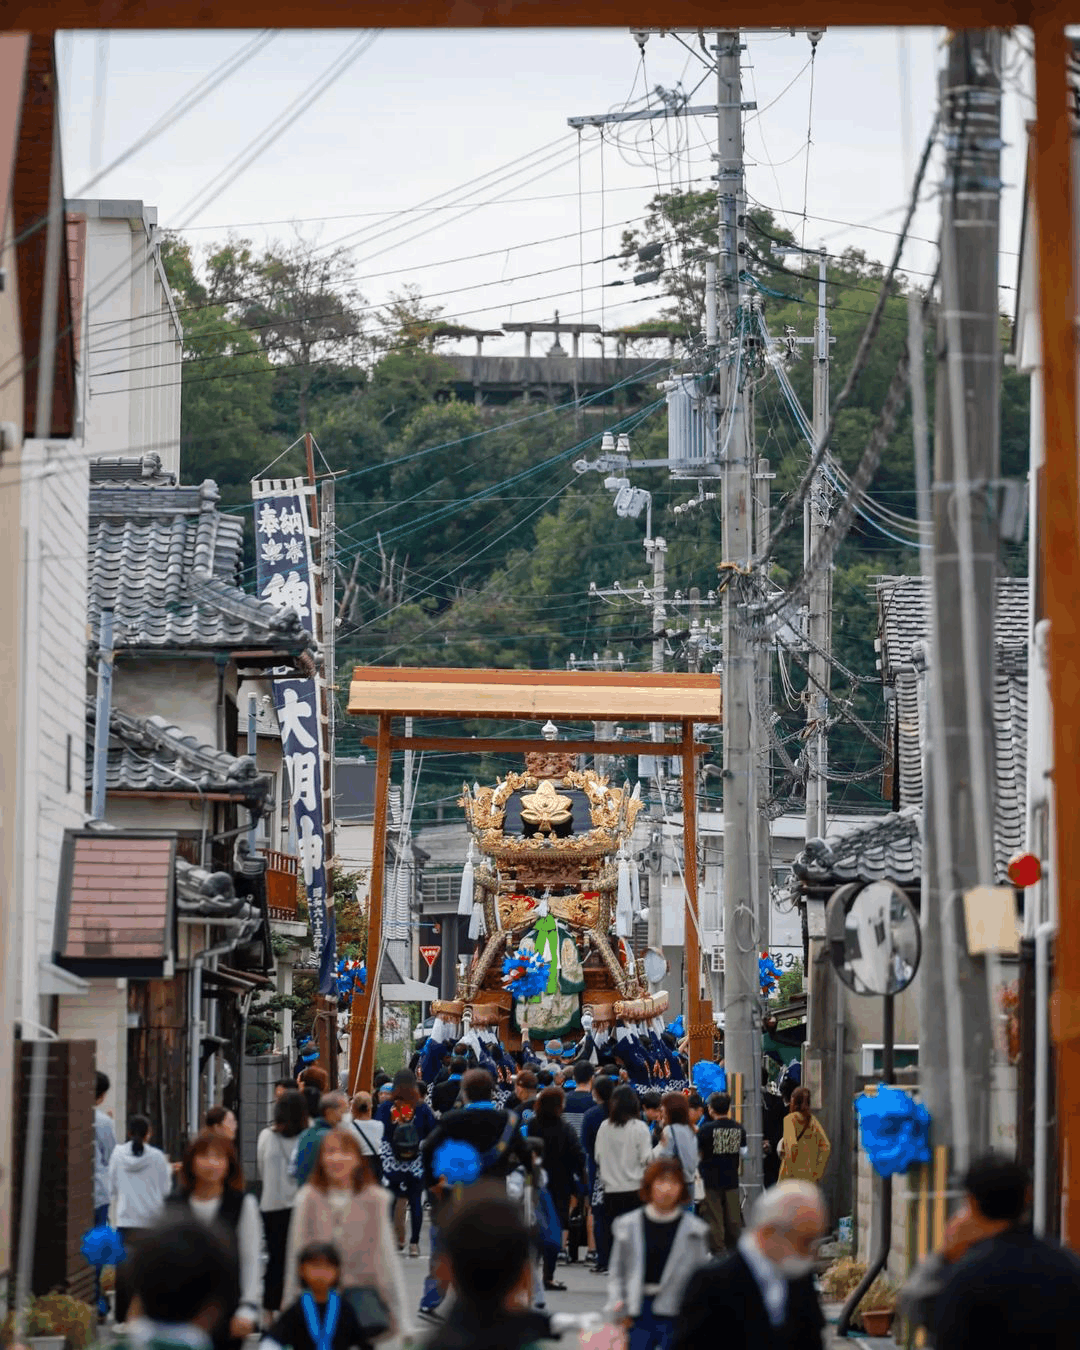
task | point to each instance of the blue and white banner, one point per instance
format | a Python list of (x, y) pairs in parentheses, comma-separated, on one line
[(286, 579)]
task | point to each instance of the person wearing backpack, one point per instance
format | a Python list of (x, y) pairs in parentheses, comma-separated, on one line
[(407, 1121), (495, 1135)]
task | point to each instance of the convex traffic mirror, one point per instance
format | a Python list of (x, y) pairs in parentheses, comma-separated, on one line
[(873, 936)]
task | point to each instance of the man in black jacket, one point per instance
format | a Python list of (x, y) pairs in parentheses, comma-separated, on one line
[(444, 1094), (496, 1136), (1005, 1286), (763, 1295)]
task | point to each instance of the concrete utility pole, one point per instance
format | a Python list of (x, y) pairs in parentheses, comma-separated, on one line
[(819, 600), (742, 990), (959, 828)]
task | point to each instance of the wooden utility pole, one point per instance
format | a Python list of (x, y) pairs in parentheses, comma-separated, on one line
[(959, 830)]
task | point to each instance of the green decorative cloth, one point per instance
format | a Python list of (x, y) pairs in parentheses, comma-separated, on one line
[(546, 939)]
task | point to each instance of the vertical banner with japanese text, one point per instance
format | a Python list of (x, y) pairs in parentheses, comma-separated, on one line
[(286, 579)]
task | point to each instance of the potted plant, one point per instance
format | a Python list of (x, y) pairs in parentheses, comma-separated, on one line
[(56, 1322), (841, 1278), (877, 1307)]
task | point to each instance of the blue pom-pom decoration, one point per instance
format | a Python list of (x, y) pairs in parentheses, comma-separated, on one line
[(102, 1246), (525, 973), (708, 1077), (457, 1162), (895, 1130), (768, 973), (350, 976), (676, 1028)]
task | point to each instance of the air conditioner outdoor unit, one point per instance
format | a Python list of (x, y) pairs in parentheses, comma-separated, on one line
[(716, 960)]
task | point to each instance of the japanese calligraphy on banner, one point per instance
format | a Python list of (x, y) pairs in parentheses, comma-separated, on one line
[(286, 580)]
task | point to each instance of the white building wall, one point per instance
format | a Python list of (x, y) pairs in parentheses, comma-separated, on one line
[(184, 692), (134, 340), (52, 709), (100, 1015)]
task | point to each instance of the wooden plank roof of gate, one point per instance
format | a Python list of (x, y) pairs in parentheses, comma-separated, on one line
[(535, 694)]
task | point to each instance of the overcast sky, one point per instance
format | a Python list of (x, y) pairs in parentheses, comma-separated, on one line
[(422, 113)]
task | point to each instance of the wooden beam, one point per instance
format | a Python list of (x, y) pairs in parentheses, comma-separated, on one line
[(699, 1023), (46, 16), (495, 745), (362, 1034), (534, 695), (1059, 537)]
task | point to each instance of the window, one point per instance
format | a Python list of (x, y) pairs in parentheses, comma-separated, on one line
[(441, 888)]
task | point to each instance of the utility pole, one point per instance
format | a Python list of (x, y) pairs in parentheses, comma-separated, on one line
[(742, 989), (819, 599), (959, 828)]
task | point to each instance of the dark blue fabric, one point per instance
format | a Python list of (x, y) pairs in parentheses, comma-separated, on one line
[(649, 1332)]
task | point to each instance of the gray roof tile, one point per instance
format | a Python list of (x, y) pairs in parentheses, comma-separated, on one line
[(904, 617), (149, 754), (136, 470), (889, 848), (168, 564)]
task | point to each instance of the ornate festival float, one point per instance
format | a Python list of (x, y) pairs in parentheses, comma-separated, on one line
[(551, 901)]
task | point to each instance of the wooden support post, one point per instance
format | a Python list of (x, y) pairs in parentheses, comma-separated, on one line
[(699, 1023), (1059, 538), (362, 1034)]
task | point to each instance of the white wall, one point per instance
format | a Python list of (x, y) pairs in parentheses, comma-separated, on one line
[(101, 1016), (184, 692), (52, 710), (11, 675), (133, 333)]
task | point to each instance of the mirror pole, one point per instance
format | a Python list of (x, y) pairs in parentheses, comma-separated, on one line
[(884, 1186), (888, 1040)]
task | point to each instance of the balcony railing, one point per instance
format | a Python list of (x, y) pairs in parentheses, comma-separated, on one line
[(282, 870)]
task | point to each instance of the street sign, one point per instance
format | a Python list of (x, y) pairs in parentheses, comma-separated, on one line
[(430, 955)]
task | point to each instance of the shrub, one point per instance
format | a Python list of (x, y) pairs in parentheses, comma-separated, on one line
[(841, 1278), (57, 1315)]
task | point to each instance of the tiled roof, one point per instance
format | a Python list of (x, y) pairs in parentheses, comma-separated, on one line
[(116, 910), (889, 848), (149, 754), (904, 616), (136, 470), (168, 564)]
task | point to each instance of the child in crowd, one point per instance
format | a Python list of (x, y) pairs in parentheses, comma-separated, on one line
[(320, 1319), (183, 1277), (488, 1259)]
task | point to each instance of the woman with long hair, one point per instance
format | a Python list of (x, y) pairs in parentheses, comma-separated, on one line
[(622, 1153), (805, 1147), (677, 1138), (407, 1121), (212, 1191), (273, 1153), (342, 1204), (564, 1163), (655, 1250), (139, 1183)]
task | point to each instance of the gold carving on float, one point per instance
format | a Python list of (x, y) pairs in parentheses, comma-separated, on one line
[(549, 763), (545, 808)]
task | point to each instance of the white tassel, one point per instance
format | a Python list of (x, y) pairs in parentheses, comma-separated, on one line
[(624, 911), (477, 926), (635, 888), (465, 898)]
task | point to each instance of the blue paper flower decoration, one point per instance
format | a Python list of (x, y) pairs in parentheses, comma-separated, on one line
[(525, 973), (350, 976), (895, 1130), (768, 973), (676, 1028), (708, 1077), (457, 1161), (102, 1246)]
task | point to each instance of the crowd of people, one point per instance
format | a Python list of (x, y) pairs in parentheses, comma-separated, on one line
[(562, 1156)]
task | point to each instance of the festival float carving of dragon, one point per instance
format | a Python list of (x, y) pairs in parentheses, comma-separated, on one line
[(551, 908)]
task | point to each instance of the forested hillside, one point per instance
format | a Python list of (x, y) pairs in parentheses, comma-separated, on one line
[(469, 535)]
